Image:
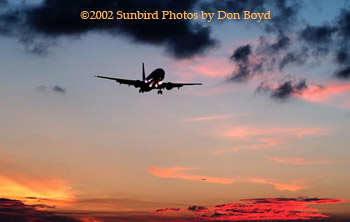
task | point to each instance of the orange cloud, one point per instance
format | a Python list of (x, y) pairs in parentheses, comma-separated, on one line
[(298, 161), (168, 210), (244, 132), (182, 173), (54, 191), (263, 143), (293, 185)]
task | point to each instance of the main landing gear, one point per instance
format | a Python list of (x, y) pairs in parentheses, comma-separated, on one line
[(140, 91), (160, 92)]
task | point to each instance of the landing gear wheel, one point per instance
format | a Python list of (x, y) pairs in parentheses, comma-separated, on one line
[(160, 92)]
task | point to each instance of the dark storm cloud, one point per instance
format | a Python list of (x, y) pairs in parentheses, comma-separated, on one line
[(197, 209), (16, 211), (284, 11), (296, 44), (245, 67), (343, 73), (285, 15), (56, 89), (284, 90), (241, 54), (168, 210), (317, 34), (282, 42), (296, 58), (38, 28), (343, 24)]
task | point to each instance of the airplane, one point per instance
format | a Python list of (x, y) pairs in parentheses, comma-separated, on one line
[(153, 81)]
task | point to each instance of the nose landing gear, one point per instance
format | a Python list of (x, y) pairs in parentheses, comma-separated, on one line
[(160, 92), (140, 91)]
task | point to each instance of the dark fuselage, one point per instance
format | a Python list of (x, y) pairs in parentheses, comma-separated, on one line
[(153, 80)]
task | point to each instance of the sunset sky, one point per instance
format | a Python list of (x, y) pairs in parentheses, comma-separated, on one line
[(270, 126)]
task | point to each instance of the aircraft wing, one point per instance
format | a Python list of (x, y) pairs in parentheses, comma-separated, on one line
[(170, 85), (129, 82)]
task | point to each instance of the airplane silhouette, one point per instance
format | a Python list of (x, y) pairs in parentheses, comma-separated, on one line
[(152, 81)]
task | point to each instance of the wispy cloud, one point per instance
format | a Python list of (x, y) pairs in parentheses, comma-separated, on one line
[(263, 143), (183, 173), (207, 66), (245, 132), (265, 137), (210, 118), (298, 161), (168, 210), (293, 185)]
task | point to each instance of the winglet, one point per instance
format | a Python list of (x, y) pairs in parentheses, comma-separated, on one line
[(143, 72)]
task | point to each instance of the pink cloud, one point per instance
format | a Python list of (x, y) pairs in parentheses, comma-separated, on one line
[(210, 67), (324, 94), (266, 137), (298, 161), (264, 209)]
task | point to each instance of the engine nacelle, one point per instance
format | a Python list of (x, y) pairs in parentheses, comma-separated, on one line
[(169, 86)]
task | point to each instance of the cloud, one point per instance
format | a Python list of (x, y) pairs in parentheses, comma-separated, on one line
[(182, 173), (205, 66), (298, 161), (284, 90), (39, 27), (343, 73), (263, 143), (329, 93), (197, 209), (293, 185), (210, 118), (285, 12), (34, 191), (17, 211), (266, 209), (241, 54), (56, 89), (265, 137), (168, 210), (248, 132), (294, 46)]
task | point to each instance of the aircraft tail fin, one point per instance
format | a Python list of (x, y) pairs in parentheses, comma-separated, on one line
[(143, 72)]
